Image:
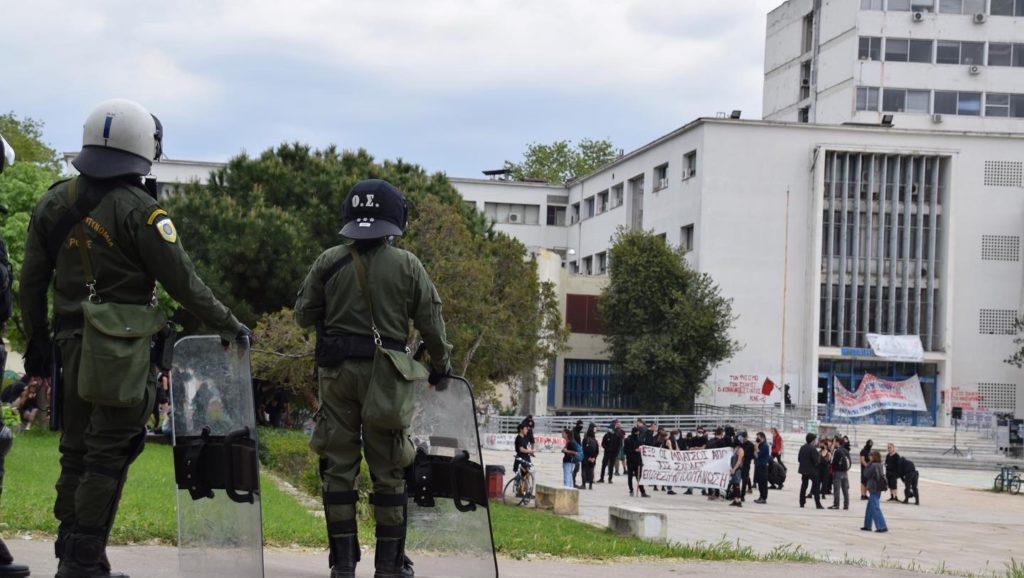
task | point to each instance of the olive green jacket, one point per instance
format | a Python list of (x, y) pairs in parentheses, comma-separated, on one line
[(331, 298), (132, 244)]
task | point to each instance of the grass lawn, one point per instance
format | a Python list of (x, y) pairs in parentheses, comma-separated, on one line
[(147, 512)]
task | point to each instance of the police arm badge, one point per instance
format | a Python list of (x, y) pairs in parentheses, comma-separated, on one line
[(162, 221)]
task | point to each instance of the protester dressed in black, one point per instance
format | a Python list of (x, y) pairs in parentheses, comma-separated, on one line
[(809, 458), (634, 461)]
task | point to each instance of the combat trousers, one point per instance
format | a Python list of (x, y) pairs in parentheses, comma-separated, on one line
[(97, 445), (341, 439)]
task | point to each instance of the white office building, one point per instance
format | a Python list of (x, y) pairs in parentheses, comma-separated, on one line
[(944, 64), (891, 231)]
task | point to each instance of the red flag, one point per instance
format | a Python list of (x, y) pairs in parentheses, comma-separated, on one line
[(767, 387)]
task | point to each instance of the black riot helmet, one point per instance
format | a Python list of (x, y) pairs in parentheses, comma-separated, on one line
[(373, 209)]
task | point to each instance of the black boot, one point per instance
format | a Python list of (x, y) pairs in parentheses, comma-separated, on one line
[(85, 556), (8, 569), (390, 560), (344, 555)]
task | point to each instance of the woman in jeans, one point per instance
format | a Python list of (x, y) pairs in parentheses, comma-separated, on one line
[(567, 454), (875, 476)]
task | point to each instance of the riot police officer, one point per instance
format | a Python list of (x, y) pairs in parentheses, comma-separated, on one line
[(8, 569), (361, 295), (105, 240)]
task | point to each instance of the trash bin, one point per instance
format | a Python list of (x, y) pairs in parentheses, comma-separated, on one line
[(495, 481)]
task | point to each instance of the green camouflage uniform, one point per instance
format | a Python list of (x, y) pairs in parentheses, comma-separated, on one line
[(401, 290), (133, 243)]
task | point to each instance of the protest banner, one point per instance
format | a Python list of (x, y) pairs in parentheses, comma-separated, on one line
[(689, 469), (874, 394), (507, 442)]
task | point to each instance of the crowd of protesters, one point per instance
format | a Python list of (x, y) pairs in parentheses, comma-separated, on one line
[(756, 463)]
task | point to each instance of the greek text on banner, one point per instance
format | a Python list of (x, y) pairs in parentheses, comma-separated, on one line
[(689, 469), (874, 394)]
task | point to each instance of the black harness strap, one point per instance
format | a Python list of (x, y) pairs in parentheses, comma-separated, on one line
[(83, 205), (389, 500), (334, 268)]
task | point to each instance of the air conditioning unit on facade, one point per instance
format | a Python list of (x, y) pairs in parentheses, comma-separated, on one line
[(663, 183), (974, 69), (936, 118), (515, 218), (918, 17), (980, 18), (805, 82)]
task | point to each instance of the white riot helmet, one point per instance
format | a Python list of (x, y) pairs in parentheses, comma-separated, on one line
[(6, 154), (120, 138)]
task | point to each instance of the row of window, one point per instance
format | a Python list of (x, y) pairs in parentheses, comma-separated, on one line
[(997, 7), (940, 51), (614, 197), (940, 102), (598, 264)]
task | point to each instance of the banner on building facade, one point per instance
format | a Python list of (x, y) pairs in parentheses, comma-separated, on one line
[(897, 347), (874, 394), (689, 469)]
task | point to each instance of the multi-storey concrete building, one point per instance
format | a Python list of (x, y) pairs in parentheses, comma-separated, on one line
[(944, 64)]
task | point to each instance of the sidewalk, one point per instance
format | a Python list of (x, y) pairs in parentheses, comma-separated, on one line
[(162, 562), (957, 524)]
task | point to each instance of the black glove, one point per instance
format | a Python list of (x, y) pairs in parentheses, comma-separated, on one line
[(439, 380), (39, 358), (244, 334)]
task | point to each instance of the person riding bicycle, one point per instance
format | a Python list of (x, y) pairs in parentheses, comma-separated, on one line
[(524, 450)]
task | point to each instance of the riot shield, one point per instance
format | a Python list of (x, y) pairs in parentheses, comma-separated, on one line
[(216, 463), (448, 513)]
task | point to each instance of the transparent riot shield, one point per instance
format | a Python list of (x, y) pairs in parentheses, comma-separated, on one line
[(448, 513), (215, 460)]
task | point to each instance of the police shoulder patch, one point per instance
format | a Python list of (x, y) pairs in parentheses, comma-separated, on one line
[(165, 227)]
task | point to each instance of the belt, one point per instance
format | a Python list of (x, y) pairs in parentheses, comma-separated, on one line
[(363, 346)]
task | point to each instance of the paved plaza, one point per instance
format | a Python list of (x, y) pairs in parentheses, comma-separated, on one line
[(957, 526)]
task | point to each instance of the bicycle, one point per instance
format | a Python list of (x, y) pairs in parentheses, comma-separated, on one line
[(521, 485), (1008, 480)]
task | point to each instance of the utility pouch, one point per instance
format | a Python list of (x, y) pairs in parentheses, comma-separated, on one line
[(390, 396), (115, 358), (163, 347), (330, 349)]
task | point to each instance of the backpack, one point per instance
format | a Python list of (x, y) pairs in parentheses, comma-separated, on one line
[(843, 465), (578, 457)]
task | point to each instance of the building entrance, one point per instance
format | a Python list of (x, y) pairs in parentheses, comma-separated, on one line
[(850, 372)]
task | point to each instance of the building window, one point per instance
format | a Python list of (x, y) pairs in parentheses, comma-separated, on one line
[(867, 98), (556, 216), (808, 43), (962, 6), (1017, 105), (804, 114), (870, 4), (947, 52), (972, 53), (922, 5), (900, 100), (588, 265), (686, 238), (805, 80), (512, 214), (661, 177), (617, 196), (1000, 54), (898, 5), (588, 207), (690, 164), (1018, 53), (870, 48), (897, 49), (602, 202), (602, 263), (581, 314), (574, 267), (1007, 8), (921, 51), (575, 213), (997, 104), (969, 103)]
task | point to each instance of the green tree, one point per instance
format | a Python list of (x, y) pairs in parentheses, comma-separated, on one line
[(21, 186), (25, 135), (667, 325), (255, 229), (560, 161)]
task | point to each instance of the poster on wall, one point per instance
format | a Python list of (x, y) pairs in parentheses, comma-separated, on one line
[(691, 469), (897, 347), (875, 394)]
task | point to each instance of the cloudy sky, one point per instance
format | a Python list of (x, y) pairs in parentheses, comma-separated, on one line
[(454, 85)]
